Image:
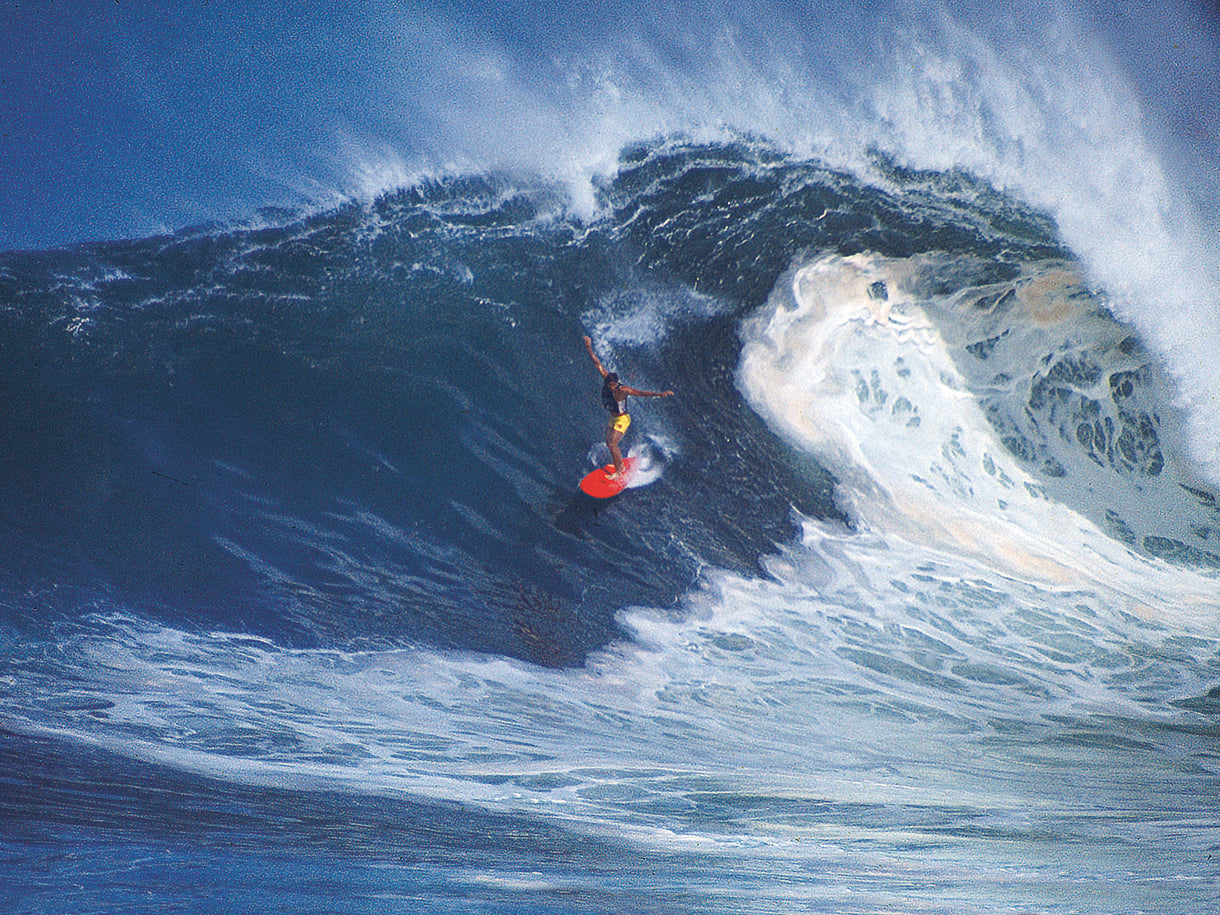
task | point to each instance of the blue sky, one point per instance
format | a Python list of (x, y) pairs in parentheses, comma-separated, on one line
[(124, 119)]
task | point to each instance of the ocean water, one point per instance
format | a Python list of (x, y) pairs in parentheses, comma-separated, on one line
[(915, 609)]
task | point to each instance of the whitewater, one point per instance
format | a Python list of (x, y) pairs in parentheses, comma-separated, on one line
[(917, 608)]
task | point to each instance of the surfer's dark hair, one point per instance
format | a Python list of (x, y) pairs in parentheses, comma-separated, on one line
[(611, 378)]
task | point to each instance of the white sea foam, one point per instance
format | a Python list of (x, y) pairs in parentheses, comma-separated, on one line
[(845, 362), (640, 315)]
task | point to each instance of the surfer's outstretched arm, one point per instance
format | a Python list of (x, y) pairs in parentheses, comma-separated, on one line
[(593, 356), (634, 393)]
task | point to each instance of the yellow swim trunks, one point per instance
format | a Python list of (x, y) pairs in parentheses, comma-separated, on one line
[(621, 422)]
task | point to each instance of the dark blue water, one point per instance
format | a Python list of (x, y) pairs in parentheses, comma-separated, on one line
[(300, 606)]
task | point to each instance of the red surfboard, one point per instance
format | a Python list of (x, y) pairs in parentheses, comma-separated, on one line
[(597, 483)]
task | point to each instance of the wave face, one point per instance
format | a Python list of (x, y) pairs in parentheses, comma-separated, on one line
[(915, 608)]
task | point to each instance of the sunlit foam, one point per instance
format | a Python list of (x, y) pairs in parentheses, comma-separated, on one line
[(845, 362)]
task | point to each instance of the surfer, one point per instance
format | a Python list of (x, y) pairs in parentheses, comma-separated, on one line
[(614, 396)]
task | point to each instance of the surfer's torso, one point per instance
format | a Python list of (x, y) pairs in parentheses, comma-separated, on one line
[(611, 401)]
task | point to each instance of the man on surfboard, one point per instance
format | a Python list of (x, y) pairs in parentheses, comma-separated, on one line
[(614, 396)]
